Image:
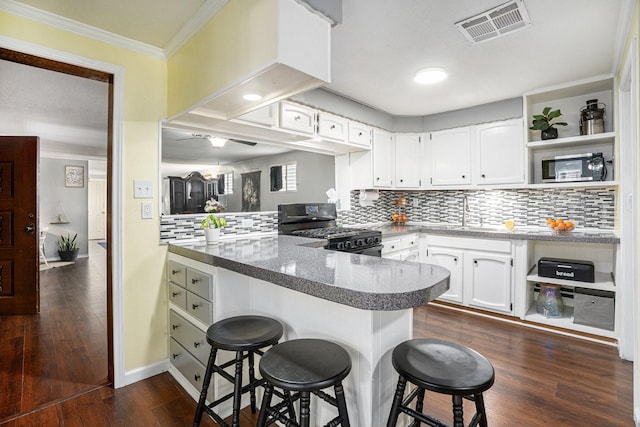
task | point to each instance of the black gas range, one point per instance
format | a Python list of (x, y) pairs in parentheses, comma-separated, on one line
[(318, 220)]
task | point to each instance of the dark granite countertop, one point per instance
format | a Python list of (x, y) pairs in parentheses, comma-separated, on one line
[(360, 281), (497, 232)]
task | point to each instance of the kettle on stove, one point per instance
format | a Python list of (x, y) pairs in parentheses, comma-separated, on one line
[(592, 118)]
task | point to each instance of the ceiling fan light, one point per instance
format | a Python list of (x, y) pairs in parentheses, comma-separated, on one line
[(252, 97), (430, 75), (216, 141)]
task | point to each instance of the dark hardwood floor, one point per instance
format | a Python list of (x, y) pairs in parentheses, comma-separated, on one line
[(542, 379)]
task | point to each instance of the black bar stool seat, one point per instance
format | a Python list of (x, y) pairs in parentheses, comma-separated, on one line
[(303, 366), (245, 335), (441, 367)]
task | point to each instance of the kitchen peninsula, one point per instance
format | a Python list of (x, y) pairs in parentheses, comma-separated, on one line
[(363, 303)]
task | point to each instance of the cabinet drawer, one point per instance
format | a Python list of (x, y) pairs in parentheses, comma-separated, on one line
[(333, 127), (190, 337), (297, 118), (188, 366), (200, 308), (410, 242), (177, 273), (200, 283), (391, 245), (359, 134), (178, 295)]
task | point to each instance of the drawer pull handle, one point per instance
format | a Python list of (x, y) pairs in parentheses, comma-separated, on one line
[(175, 355), (194, 281), (195, 306), (333, 127), (196, 377), (174, 272), (196, 344), (175, 294), (296, 118), (174, 326)]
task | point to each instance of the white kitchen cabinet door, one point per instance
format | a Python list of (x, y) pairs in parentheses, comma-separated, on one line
[(333, 127), (451, 156), (407, 164), (488, 281), (453, 260), (263, 116), (500, 153), (297, 118), (383, 159), (359, 134)]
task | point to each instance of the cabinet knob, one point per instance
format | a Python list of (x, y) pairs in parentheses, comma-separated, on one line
[(475, 261), (377, 178), (359, 133), (332, 127), (296, 118), (175, 355), (483, 175), (195, 306), (174, 326), (194, 281), (175, 294), (401, 180), (463, 176), (196, 344), (196, 377), (393, 247), (174, 272), (455, 260)]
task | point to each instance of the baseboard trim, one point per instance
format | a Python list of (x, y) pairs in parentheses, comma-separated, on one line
[(145, 372)]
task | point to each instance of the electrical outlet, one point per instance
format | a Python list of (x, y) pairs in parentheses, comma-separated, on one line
[(147, 210), (142, 189)]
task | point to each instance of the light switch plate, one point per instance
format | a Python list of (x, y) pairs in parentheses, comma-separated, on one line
[(142, 189), (147, 210)]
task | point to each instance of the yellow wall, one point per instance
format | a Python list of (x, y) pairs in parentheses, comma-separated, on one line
[(144, 104), (239, 40)]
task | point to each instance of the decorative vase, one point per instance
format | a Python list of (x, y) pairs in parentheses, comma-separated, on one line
[(549, 302), (549, 133), (212, 235), (68, 255)]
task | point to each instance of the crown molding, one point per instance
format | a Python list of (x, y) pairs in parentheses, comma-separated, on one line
[(188, 30), (19, 9)]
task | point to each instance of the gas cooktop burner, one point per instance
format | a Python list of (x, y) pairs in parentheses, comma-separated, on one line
[(343, 239), (329, 232)]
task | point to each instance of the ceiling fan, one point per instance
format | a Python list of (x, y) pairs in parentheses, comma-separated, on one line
[(217, 141)]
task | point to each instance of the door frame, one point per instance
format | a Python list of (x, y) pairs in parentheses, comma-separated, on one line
[(115, 306)]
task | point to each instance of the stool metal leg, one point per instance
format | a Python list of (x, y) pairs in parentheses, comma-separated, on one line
[(397, 401), (342, 405), (237, 390), (458, 418), (205, 387)]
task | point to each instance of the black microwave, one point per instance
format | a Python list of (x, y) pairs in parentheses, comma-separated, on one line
[(574, 167)]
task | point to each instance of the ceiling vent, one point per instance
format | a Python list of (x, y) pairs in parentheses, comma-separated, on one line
[(496, 22)]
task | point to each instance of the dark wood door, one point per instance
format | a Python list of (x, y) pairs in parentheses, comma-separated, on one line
[(19, 258)]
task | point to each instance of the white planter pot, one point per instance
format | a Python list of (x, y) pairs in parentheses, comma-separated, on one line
[(212, 235)]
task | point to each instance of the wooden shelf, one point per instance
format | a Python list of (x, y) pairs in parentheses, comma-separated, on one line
[(565, 322), (603, 281), (573, 140), (60, 222)]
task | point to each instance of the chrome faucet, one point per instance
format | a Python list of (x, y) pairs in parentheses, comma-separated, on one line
[(465, 210)]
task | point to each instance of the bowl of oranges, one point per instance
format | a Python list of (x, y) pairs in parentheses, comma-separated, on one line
[(560, 226)]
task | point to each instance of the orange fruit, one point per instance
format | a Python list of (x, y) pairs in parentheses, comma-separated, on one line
[(561, 221), (550, 220), (569, 224)]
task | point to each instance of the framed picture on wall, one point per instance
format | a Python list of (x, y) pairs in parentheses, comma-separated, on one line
[(73, 176)]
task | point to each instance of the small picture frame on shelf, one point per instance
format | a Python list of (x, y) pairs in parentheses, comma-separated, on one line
[(73, 176)]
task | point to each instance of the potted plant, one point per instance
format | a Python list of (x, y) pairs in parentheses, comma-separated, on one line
[(212, 225), (544, 122), (68, 247)]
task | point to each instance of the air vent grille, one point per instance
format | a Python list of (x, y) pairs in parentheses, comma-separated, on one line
[(496, 22)]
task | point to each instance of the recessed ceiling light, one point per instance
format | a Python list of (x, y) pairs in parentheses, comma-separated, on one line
[(216, 141), (430, 75), (252, 97)]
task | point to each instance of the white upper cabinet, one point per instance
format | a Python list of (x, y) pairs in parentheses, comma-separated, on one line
[(359, 134), (333, 127), (451, 156), (383, 159), (501, 151), (297, 118), (267, 116), (408, 151)]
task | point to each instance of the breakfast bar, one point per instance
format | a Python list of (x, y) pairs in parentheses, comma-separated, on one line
[(361, 302)]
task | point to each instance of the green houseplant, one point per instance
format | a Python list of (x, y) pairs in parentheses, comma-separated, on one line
[(68, 247), (545, 123), (212, 225)]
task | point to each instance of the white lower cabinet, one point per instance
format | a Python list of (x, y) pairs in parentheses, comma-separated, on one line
[(404, 248), (481, 271)]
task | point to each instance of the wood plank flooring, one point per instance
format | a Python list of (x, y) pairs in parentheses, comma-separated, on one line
[(542, 379)]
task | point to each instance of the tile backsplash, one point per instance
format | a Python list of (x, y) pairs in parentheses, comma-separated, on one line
[(586, 207)]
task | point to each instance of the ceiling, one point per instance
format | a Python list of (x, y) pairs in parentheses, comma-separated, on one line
[(380, 45), (376, 50)]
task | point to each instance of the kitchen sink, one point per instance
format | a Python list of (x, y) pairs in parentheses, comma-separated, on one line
[(470, 228)]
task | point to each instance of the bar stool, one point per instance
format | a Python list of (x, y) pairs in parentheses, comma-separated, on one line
[(303, 366), (245, 335), (441, 367)]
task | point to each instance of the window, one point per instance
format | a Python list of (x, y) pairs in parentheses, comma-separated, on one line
[(228, 183), (283, 177)]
